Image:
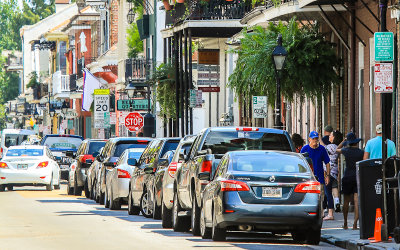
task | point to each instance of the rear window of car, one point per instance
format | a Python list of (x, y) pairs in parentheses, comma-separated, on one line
[(62, 142), (95, 146), (14, 139), (221, 142), (169, 145), (24, 152), (135, 153), (121, 147), (269, 162)]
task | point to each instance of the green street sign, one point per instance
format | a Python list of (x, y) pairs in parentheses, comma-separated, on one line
[(137, 104), (384, 51)]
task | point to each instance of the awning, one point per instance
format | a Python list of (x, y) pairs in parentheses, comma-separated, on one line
[(108, 76)]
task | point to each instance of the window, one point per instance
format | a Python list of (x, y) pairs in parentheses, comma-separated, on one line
[(14, 139), (95, 146), (24, 152)]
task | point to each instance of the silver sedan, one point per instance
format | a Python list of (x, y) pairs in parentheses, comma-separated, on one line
[(117, 184)]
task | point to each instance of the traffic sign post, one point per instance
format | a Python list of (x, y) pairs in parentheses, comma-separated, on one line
[(101, 108), (383, 80), (259, 106), (134, 104), (384, 50), (134, 121)]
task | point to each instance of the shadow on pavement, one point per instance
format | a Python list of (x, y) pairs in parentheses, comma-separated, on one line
[(170, 232)]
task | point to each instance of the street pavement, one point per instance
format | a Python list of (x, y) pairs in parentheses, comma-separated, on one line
[(32, 218)]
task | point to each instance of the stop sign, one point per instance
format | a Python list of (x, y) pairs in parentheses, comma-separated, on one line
[(134, 121)]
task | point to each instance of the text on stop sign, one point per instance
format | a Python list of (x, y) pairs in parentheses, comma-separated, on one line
[(133, 121)]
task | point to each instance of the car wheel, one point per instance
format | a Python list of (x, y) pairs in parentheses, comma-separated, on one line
[(115, 204), (132, 210), (101, 198), (106, 199), (156, 209), (166, 215), (2, 188), (77, 189), (58, 186), (145, 205), (50, 186), (195, 218), (179, 223), (205, 231), (299, 236), (93, 191), (217, 234), (313, 236), (70, 190), (86, 187), (10, 187)]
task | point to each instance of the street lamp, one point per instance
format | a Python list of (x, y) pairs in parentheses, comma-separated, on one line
[(130, 89), (279, 55), (52, 112), (64, 107)]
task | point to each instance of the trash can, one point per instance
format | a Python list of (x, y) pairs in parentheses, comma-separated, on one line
[(369, 184)]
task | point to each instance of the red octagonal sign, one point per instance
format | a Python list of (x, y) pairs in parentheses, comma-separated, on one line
[(134, 121)]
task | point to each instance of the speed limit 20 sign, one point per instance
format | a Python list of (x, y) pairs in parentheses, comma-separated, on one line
[(101, 107)]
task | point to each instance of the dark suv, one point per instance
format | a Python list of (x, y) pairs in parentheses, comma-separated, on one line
[(59, 145), (141, 191)]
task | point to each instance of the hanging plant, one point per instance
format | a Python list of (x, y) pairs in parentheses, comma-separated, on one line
[(309, 69)]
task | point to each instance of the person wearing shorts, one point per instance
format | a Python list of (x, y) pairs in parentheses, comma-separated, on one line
[(352, 154)]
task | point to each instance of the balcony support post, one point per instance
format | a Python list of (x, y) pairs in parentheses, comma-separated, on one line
[(176, 53), (181, 84), (190, 83), (187, 87)]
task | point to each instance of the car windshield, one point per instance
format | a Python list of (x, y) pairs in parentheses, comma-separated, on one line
[(269, 162), (120, 148), (61, 142), (95, 146), (135, 153), (169, 145), (24, 152), (221, 142), (14, 139)]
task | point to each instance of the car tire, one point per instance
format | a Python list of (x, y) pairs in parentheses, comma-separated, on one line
[(50, 187), (93, 191), (145, 207), (299, 236), (2, 188), (205, 231), (77, 189), (86, 189), (132, 210), (313, 236), (58, 186), (195, 217), (70, 190), (115, 204), (101, 198), (166, 216), (179, 223), (156, 209), (217, 234), (106, 199), (10, 187)]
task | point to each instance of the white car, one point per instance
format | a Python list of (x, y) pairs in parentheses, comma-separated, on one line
[(29, 165), (117, 187)]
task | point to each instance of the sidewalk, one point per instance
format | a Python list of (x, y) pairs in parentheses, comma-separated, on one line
[(333, 233)]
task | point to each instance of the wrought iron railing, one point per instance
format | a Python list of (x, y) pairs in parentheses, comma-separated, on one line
[(138, 69)]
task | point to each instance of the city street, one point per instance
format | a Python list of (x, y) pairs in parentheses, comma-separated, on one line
[(31, 218)]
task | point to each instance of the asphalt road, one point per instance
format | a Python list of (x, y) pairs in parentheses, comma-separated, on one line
[(32, 218)]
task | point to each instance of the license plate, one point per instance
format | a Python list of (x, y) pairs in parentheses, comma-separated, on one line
[(64, 166), (272, 192), (22, 166)]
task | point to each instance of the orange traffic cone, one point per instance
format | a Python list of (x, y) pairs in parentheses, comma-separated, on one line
[(378, 226)]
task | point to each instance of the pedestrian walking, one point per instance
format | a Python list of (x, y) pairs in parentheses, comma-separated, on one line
[(298, 142), (318, 156), (332, 188), (352, 154), (373, 149), (327, 132)]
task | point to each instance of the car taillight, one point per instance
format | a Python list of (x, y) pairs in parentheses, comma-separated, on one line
[(308, 187), (173, 166), (3, 165), (206, 166), (246, 129), (83, 158), (231, 185), (43, 164), (123, 174)]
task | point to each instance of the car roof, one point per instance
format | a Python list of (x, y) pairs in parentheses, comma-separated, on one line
[(57, 135), (242, 153), (118, 139), (27, 147), (256, 129)]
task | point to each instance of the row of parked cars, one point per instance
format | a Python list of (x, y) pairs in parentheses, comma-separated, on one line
[(223, 179)]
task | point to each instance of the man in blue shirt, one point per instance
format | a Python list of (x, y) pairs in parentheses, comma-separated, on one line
[(373, 149)]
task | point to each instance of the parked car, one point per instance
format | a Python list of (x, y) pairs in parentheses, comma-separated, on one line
[(210, 145), (91, 175), (167, 176), (141, 191), (29, 165), (272, 191), (117, 184), (59, 145), (13, 137), (108, 159), (77, 181)]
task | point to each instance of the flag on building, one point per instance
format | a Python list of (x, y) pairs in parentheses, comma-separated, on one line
[(90, 83)]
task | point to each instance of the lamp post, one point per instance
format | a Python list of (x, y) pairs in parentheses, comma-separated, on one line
[(279, 55), (130, 90)]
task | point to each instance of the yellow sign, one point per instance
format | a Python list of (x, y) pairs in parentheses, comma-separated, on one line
[(101, 92), (209, 57)]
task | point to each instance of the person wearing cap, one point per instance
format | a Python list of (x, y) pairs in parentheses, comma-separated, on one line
[(352, 154), (319, 155), (373, 149), (327, 132)]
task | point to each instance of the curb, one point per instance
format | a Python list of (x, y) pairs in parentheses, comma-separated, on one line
[(350, 244)]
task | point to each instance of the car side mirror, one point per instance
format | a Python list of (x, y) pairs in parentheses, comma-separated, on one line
[(163, 162), (89, 161), (182, 156), (204, 176), (99, 158), (148, 170), (95, 154), (305, 154), (69, 153), (204, 152), (132, 162)]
